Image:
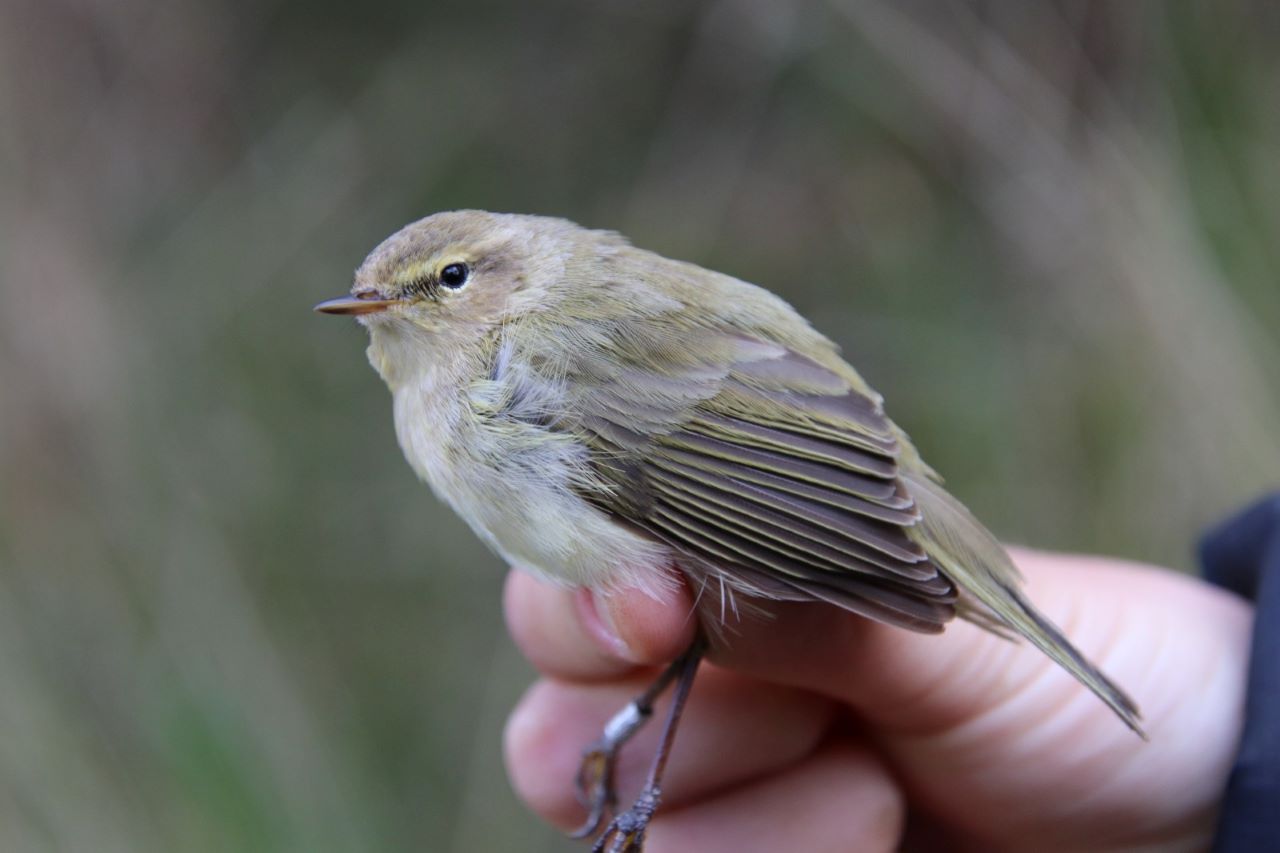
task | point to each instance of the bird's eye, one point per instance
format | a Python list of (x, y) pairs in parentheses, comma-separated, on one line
[(455, 275)]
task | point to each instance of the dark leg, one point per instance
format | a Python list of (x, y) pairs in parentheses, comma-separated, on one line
[(626, 832), (595, 774)]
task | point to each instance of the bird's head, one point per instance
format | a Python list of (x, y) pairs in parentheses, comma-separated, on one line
[(437, 288)]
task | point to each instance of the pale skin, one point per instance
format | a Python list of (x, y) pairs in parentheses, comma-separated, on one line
[(818, 730)]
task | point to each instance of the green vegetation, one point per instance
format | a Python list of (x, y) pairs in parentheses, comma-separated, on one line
[(230, 619)]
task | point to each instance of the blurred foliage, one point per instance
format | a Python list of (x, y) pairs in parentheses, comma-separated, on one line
[(230, 619)]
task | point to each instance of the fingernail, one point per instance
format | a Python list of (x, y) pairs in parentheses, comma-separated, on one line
[(597, 618)]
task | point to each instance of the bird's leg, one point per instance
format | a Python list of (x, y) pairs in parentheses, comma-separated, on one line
[(625, 834), (595, 774)]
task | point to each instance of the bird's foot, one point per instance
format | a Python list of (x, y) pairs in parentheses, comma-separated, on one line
[(625, 833), (595, 781)]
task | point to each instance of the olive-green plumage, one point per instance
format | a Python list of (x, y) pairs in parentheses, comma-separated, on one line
[(597, 412)]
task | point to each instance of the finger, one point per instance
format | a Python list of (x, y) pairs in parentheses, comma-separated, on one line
[(1131, 620), (1179, 646), (580, 636), (547, 625), (1027, 748), (837, 800), (732, 730), (909, 682)]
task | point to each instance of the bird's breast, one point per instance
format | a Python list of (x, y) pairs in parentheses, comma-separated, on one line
[(520, 486)]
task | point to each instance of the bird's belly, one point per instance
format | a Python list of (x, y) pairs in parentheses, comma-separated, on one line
[(520, 487)]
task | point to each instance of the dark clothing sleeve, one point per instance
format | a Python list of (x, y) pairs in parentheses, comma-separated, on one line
[(1243, 555)]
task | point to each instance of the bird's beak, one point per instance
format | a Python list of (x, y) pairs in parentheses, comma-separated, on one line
[(360, 303)]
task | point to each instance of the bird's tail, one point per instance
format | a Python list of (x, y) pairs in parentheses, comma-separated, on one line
[(990, 596)]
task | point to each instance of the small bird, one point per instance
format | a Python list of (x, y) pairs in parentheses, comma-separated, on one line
[(604, 416)]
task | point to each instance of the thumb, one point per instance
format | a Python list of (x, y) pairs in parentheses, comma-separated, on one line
[(1125, 617), (992, 736)]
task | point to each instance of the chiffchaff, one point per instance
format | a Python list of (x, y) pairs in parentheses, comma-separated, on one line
[(602, 416)]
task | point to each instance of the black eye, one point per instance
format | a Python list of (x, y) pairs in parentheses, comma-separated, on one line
[(455, 275)]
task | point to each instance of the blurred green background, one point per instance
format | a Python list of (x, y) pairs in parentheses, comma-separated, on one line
[(230, 619)]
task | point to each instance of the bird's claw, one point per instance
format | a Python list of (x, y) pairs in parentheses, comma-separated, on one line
[(595, 785), (626, 831), (595, 773)]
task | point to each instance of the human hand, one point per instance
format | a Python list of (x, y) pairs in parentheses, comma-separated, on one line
[(818, 730)]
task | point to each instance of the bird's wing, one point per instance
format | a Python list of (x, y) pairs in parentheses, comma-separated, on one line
[(755, 462), (749, 446)]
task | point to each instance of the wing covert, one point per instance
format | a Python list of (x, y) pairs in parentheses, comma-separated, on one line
[(773, 471)]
